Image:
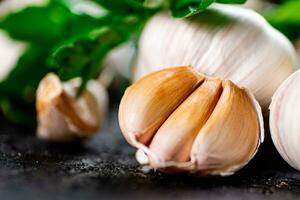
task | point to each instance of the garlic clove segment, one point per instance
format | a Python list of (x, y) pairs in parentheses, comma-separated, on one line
[(62, 116), (183, 125), (214, 128), (227, 41), (284, 120), (229, 138), (142, 115)]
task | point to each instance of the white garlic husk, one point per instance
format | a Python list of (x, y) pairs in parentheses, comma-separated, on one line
[(284, 120), (257, 5), (118, 62), (62, 116), (228, 41)]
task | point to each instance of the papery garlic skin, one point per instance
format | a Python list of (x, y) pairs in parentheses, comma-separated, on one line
[(62, 116), (284, 120), (181, 120), (257, 5), (228, 41), (118, 62)]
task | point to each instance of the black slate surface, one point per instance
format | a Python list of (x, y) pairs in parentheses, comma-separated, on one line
[(104, 168)]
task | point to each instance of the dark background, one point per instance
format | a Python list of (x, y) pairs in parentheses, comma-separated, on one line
[(104, 168)]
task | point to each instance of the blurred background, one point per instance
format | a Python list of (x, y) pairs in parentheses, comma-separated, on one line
[(35, 36)]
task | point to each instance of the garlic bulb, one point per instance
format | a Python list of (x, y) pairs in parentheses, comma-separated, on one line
[(62, 116), (284, 120), (228, 41), (118, 61), (257, 5), (184, 121)]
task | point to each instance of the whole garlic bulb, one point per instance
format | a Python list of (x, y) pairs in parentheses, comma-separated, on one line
[(228, 41), (284, 120), (184, 121), (62, 116)]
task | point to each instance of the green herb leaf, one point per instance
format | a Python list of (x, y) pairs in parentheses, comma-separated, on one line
[(122, 7), (47, 24), (186, 8), (18, 88), (231, 1), (286, 18), (37, 24), (82, 56)]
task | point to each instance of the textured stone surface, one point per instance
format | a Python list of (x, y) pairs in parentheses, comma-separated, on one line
[(104, 168)]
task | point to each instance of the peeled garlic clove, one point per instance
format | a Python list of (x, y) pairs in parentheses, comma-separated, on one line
[(62, 116), (214, 128), (284, 120), (142, 115), (226, 41)]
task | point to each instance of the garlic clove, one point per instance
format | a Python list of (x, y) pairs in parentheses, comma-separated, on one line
[(189, 136), (51, 123), (284, 120), (147, 104), (229, 138), (226, 41), (62, 116), (174, 139)]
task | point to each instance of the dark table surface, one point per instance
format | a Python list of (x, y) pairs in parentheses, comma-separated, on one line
[(104, 168)]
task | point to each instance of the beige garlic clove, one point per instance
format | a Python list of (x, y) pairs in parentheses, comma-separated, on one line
[(62, 116), (227, 41), (284, 120), (234, 126), (184, 121), (194, 112)]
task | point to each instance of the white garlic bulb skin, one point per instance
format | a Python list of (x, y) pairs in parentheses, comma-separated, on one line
[(118, 62), (284, 120), (62, 116), (228, 41)]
